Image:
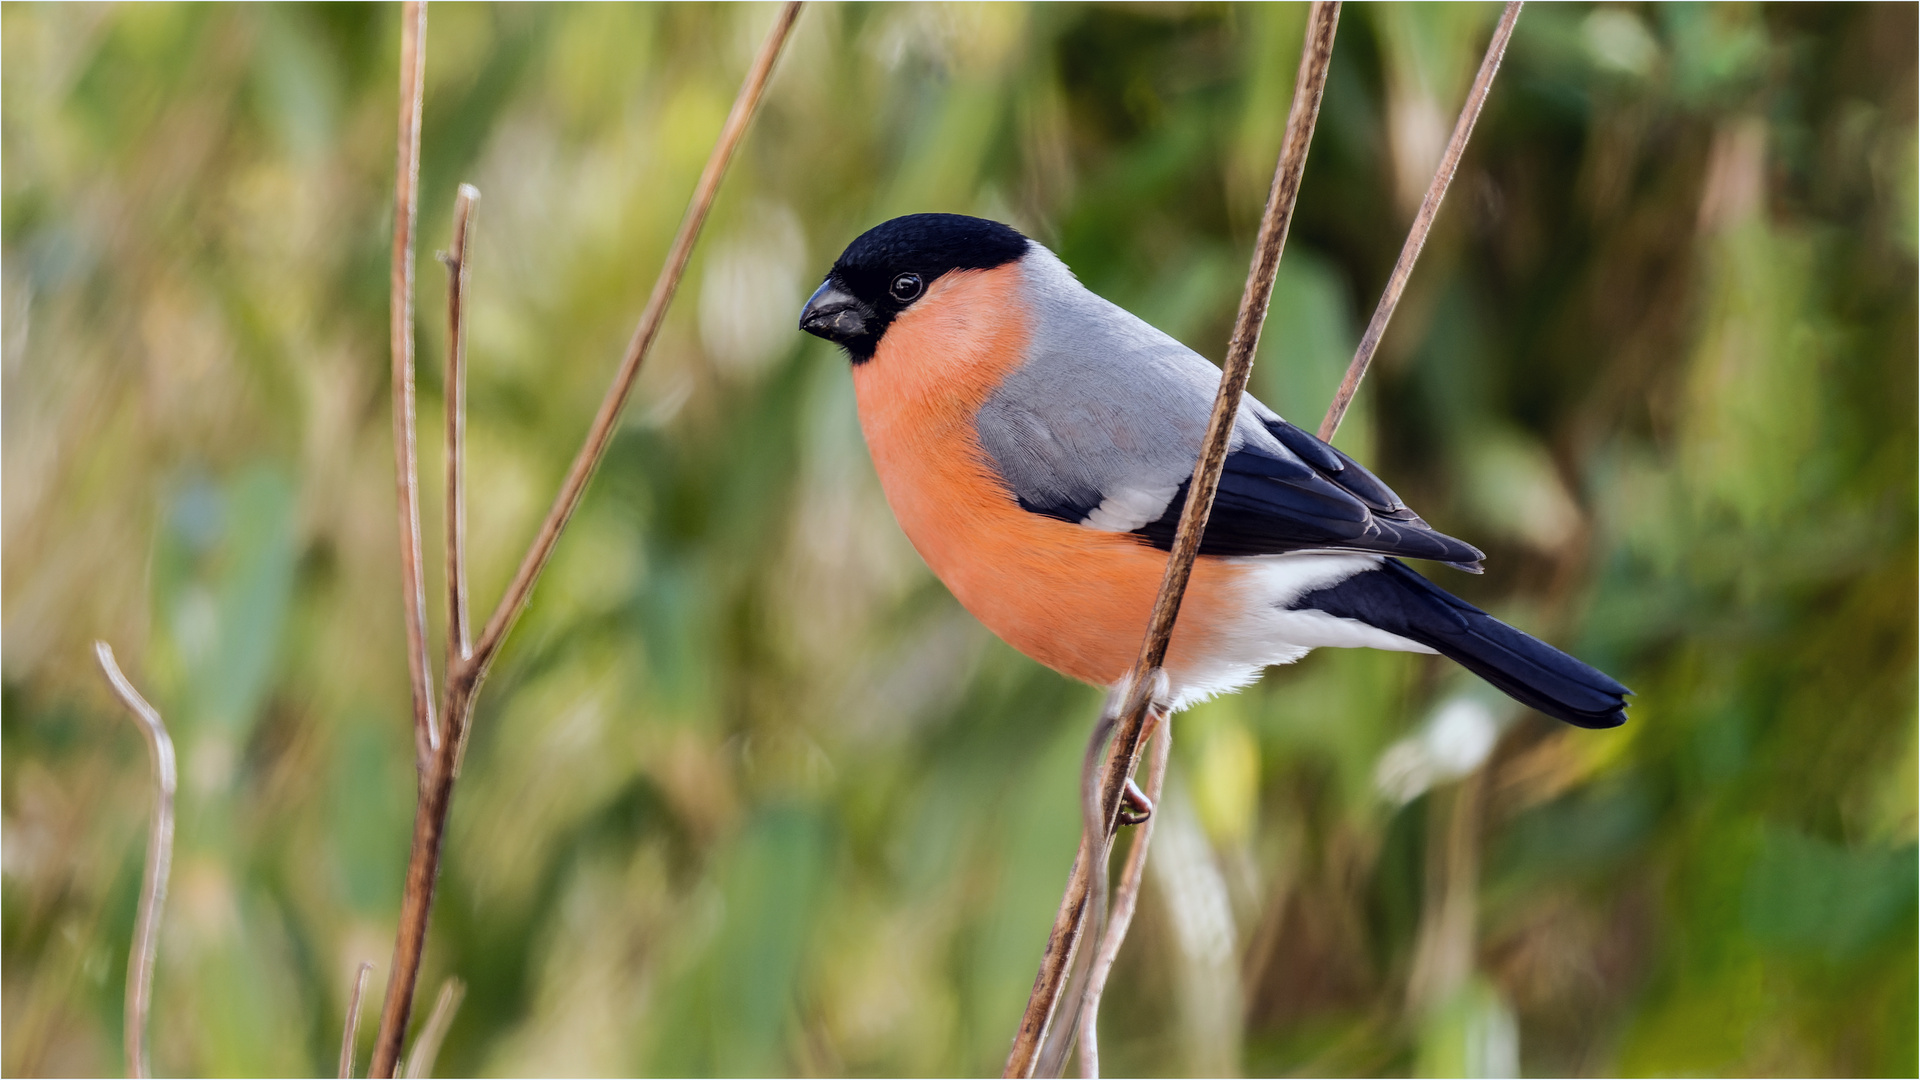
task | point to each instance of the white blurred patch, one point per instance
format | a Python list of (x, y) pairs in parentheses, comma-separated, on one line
[(950, 36), (750, 292), (1453, 742), (1190, 883), (1513, 486), (1472, 1033), (1619, 41), (1417, 134), (1493, 1040)]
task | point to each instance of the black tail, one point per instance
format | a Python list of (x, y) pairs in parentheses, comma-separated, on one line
[(1399, 601)]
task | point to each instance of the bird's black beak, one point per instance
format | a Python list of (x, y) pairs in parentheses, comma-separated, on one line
[(834, 314)]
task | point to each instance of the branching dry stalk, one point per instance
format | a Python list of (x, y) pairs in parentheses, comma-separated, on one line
[(406, 190), (153, 885), (465, 674), (1316, 55), (352, 1034), (1422, 223)]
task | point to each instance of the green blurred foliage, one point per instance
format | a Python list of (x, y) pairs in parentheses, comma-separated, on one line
[(748, 792)]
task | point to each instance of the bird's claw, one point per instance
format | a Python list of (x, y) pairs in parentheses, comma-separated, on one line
[(1135, 807)]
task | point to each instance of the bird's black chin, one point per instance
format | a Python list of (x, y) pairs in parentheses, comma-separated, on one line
[(841, 318)]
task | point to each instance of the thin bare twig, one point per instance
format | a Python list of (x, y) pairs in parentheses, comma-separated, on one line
[(352, 1034), (465, 677), (153, 885), (1126, 899), (459, 641), (1422, 223), (406, 189), (427, 1047), (608, 418), (1316, 55)]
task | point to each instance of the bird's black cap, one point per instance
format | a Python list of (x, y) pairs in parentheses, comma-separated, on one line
[(889, 266)]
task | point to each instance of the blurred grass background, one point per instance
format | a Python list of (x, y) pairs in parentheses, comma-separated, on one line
[(749, 793)]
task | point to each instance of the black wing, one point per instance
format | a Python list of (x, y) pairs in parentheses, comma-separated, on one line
[(1269, 505), (1532, 672)]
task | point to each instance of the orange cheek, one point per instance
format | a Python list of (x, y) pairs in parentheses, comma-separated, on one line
[(1073, 598)]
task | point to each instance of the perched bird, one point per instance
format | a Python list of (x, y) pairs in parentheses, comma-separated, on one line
[(1036, 443)]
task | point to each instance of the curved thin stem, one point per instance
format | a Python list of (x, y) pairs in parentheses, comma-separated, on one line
[(1422, 223), (1126, 900), (153, 885), (1316, 55), (1058, 1039)]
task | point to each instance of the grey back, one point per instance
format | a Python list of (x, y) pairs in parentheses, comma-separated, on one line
[(1104, 421)]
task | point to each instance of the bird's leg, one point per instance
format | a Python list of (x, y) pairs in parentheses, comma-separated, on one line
[(1135, 807)]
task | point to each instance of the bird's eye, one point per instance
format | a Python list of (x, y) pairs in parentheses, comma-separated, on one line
[(905, 287)]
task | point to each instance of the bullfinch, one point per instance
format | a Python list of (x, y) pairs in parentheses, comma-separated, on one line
[(1036, 443)]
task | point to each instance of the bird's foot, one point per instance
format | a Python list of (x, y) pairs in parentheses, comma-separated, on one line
[(1135, 807)]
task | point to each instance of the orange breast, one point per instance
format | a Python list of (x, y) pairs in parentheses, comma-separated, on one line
[(1074, 598)]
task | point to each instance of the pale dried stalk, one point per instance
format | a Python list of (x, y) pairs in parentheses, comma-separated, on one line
[(1060, 1038), (465, 677), (153, 884), (1126, 900), (427, 1047), (459, 641), (1422, 223), (406, 189), (1316, 54), (352, 1034)]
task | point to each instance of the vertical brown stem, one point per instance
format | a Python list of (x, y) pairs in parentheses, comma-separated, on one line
[(1316, 55), (1422, 223), (406, 187), (153, 884), (410, 941)]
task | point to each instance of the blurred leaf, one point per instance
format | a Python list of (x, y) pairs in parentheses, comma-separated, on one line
[(1806, 895)]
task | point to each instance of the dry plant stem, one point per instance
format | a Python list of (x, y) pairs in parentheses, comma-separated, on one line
[(427, 1047), (1032, 1045), (464, 678), (352, 1034), (608, 418), (406, 188), (1316, 54), (1125, 900), (1085, 977), (1058, 1039), (153, 885), (1422, 223), (459, 641)]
